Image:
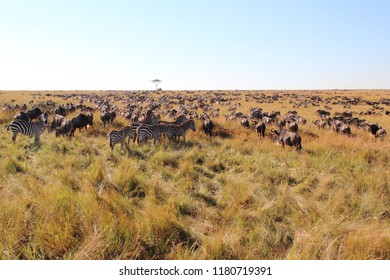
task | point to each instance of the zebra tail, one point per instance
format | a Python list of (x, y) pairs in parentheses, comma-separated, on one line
[(7, 127)]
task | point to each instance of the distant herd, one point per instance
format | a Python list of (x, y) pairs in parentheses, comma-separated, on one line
[(146, 123)]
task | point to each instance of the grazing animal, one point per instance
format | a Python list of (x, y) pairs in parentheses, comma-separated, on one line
[(260, 129), (81, 121), (207, 124), (33, 113), (293, 126), (245, 123), (340, 127), (301, 120), (345, 129), (56, 123), (180, 119), (177, 131), (281, 123), (60, 111), (28, 128), (108, 117), (21, 116), (151, 119), (288, 138), (65, 128), (380, 134), (320, 123), (149, 131), (119, 136)]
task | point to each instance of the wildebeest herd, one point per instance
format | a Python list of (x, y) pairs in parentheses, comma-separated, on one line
[(145, 112)]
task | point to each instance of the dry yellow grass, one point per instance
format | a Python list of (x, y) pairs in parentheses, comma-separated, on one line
[(219, 198)]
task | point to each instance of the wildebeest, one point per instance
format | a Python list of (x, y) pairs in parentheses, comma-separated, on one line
[(371, 127), (34, 113), (345, 129), (108, 117), (320, 123), (321, 113), (207, 124), (21, 116), (245, 122), (260, 129), (65, 128), (288, 138), (293, 126), (380, 134), (81, 121), (60, 111), (56, 123), (340, 127)]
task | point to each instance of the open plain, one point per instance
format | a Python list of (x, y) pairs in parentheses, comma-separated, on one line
[(229, 195)]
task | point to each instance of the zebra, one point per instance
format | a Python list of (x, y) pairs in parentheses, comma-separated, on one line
[(151, 120), (180, 119), (119, 136), (177, 131), (29, 128), (147, 131)]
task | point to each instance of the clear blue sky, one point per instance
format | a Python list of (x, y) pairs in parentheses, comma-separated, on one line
[(194, 44)]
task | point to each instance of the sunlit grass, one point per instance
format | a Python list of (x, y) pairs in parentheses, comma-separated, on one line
[(232, 196)]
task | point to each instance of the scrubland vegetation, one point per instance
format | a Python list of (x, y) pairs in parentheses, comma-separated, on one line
[(232, 196)]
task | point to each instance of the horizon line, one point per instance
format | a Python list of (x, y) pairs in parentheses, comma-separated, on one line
[(153, 90)]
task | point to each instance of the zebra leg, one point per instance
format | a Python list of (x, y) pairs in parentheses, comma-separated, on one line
[(112, 146), (14, 136)]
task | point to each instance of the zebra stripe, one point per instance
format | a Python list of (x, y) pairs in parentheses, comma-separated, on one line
[(28, 128), (119, 136), (146, 131), (150, 119), (177, 131)]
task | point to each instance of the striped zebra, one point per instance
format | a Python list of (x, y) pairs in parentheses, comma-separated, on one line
[(119, 136), (177, 131), (180, 119), (147, 131), (151, 120), (29, 128)]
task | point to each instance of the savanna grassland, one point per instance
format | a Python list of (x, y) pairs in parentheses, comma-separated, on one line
[(231, 196)]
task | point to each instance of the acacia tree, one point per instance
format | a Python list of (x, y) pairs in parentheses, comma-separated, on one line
[(156, 82)]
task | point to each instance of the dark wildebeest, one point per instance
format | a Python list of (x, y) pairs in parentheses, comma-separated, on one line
[(34, 113), (81, 121), (372, 127), (207, 126), (288, 138), (108, 117), (340, 127), (380, 134), (60, 111), (260, 129), (245, 123), (322, 113), (65, 128), (345, 129), (56, 123), (292, 126), (320, 123), (21, 116), (281, 123)]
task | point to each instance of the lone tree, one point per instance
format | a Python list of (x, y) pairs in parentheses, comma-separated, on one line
[(156, 82)]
